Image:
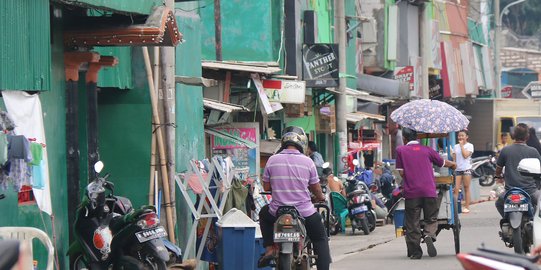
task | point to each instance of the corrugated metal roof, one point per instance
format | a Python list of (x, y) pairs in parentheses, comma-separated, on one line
[(362, 95), (119, 76), (242, 66), (224, 135), (119, 6), (358, 116), (25, 50), (222, 106)]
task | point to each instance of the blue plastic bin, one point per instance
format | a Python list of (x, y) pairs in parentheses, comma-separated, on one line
[(236, 232), (398, 220)]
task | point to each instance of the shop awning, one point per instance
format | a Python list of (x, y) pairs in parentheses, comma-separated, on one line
[(382, 86), (196, 81), (251, 67), (227, 136), (359, 116), (222, 106), (158, 29), (362, 95), (269, 147)]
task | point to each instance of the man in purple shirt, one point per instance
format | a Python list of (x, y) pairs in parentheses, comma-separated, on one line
[(414, 162), (291, 176)]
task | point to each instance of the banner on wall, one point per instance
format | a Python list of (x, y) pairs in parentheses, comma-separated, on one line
[(25, 109), (245, 160), (406, 74)]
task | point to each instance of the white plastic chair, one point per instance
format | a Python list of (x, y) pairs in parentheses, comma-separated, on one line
[(26, 235)]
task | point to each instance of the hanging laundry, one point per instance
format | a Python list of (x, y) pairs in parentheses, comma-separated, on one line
[(37, 175), (6, 122), (19, 173), (19, 148), (3, 148), (37, 153)]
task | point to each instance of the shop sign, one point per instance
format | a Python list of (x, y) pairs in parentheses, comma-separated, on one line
[(406, 74), (245, 160), (507, 92), (435, 90), (285, 91), (532, 90), (320, 65), (265, 104), (248, 134)]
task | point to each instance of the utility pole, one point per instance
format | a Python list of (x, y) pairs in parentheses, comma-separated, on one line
[(341, 123), (497, 64), (497, 41), (167, 60)]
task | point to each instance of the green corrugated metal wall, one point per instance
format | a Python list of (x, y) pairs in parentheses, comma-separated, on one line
[(247, 30), (25, 50), (129, 6), (125, 134), (189, 108), (53, 106), (119, 76)]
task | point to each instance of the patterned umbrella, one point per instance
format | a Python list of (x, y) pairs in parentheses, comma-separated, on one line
[(430, 116)]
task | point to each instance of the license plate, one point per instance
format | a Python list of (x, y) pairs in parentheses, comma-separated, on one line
[(287, 236), (359, 209), (147, 235), (515, 207)]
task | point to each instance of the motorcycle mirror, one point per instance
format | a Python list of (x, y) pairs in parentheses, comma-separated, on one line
[(356, 162), (98, 166), (325, 165), (529, 167)]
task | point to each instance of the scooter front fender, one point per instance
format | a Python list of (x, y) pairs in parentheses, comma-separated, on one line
[(515, 218)]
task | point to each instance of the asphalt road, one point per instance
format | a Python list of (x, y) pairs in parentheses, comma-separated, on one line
[(382, 250)]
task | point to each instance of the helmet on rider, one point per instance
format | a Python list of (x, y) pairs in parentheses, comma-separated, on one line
[(294, 136)]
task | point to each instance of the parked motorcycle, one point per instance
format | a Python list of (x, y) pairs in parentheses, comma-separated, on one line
[(361, 211), (484, 168), (329, 219), (105, 238), (488, 259)]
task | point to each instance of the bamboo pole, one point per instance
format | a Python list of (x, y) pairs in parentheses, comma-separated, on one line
[(161, 147), (153, 159)]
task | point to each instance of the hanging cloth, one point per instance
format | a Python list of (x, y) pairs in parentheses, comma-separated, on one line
[(237, 197), (3, 148), (37, 153), (19, 148)]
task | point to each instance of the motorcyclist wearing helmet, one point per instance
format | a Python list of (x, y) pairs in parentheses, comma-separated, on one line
[(291, 176)]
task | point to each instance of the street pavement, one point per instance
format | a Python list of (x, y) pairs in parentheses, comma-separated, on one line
[(383, 250)]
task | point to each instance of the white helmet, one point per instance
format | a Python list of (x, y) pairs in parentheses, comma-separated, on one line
[(295, 136)]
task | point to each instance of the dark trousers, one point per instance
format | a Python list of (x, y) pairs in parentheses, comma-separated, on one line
[(430, 207), (314, 229)]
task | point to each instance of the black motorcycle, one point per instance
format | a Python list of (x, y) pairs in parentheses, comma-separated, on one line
[(361, 210), (109, 233)]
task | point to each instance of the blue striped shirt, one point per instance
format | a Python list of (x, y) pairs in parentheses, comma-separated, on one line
[(290, 173)]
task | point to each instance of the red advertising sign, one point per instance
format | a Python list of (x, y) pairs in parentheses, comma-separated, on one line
[(507, 92), (406, 74)]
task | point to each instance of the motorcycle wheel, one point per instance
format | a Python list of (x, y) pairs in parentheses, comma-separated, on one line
[(517, 240), (79, 263), (285, 261), (371, 221), (364, 226), (128, 262), (486, 180)]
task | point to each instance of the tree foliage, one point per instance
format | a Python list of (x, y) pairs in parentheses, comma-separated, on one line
[(523, 18)]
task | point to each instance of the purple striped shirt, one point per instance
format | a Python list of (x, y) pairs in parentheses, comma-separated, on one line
[(289, 173)]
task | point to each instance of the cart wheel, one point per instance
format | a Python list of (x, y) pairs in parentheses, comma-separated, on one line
[(456, 230)]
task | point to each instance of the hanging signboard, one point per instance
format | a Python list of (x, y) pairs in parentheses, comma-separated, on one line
[(435, 89), (406, 74), (507, 92), (285, 91), (532, 91), (320, 65), (246, 160)]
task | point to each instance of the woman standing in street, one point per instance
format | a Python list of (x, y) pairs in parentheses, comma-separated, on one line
[(462, 156)]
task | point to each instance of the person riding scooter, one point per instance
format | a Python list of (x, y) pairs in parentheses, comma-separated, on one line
[(291, 176)]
